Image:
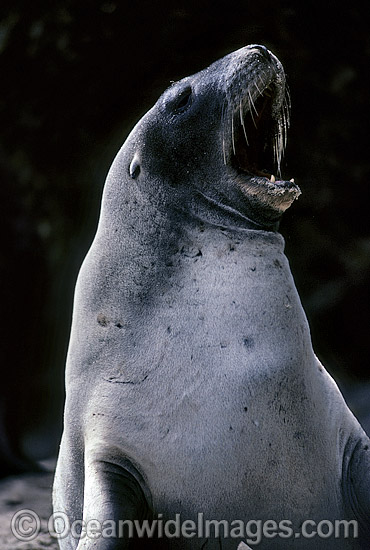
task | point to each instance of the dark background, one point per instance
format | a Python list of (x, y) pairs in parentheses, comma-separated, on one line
[(75, 77)]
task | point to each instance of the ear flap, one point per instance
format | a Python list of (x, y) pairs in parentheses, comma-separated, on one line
[(134, 167)]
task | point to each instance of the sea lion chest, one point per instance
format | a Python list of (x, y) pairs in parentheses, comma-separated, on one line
[(201, 384)]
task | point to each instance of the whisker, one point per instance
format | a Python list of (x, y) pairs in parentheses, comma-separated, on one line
[(257, 88), (223, 131), (252, 103), (261, 80), (242, 121), (287, 98), (232, 133), (251, 106)]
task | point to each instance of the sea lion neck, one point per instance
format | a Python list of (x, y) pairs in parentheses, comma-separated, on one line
[(234, 212)]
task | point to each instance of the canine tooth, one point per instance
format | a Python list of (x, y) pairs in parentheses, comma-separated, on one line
[(272, 179), (292, 180)]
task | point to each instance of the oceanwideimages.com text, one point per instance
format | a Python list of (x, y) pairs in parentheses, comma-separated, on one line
[(26, 525)]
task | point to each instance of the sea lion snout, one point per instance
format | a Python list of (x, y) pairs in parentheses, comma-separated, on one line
[(255, 125)]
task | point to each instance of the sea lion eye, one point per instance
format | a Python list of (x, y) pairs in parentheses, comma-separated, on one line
[(184, 100)]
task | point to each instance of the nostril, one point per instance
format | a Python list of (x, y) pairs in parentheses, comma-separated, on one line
[(262, 50)]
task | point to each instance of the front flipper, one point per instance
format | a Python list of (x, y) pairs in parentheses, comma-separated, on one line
[(113, 500), (356, 485)]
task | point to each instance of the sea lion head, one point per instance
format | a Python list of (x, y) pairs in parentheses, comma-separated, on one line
[(217, 138)]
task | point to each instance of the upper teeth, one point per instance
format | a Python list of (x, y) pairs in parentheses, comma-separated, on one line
[(273, 179)]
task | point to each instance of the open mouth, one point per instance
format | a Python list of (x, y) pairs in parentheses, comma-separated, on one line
[(257, 141)]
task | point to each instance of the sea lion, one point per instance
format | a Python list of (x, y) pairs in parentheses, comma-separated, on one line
[(191, 383)]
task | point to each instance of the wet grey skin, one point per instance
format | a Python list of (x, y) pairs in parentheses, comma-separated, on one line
[(191, 383)]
